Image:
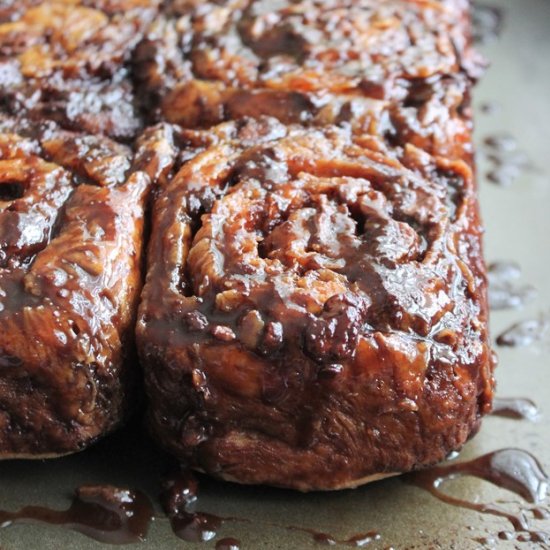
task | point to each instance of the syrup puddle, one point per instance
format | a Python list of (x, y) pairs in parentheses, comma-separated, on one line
[(504, 292), (526, 333), (512, 469), (179, 500), (507, 162), (487, 22), (518, 408), (120, 516), (358, 541), (228, 543), (101, 512)]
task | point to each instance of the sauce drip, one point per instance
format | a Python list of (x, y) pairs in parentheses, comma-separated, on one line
[(534, 536), (487, 23), (540, 513), (503, 143), (504, 174), (102, 512), (228, 543), (503, 292), (179, 500), (518, 408), (507, 161), (512, 469), (358, 540), (362, 539), (489, 107), (530, 536), (526, 332)]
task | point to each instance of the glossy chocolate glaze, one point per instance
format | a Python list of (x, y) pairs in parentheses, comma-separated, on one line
[(68, 61), (309, 293), (289, 266), (398, 69), (102, 512), (180, 501), (513, 469), (71, 233)]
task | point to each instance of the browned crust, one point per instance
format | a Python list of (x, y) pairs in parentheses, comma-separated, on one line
[(68, 288), (320, 368)]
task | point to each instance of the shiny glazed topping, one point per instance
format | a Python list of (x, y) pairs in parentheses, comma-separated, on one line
[(70, 243), (396, 68), (289, 267), (316, 305), (67, 60)]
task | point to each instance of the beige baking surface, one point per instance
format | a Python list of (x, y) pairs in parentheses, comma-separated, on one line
[(518, 228)]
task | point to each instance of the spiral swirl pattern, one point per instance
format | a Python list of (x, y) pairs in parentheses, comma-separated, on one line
[(284, 262)]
